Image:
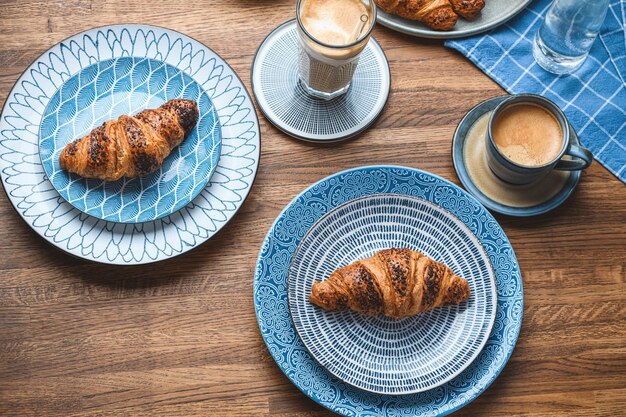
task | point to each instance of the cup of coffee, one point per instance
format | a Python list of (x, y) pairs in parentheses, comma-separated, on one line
[(527, 137), (332, 34)]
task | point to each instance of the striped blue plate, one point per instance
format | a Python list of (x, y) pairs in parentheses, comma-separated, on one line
[(380, 354), (271, 285)]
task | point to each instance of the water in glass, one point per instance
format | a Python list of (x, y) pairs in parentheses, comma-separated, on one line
[(564, 39)]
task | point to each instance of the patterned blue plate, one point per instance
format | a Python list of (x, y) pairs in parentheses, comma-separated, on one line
[(272, 307), (380, 354), (127, 85), (195, 71)]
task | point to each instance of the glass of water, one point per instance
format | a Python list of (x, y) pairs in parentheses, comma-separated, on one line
[(564, 39)]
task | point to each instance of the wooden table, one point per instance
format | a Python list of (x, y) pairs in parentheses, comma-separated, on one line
[(180, 338)]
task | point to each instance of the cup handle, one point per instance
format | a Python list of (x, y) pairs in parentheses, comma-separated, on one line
[(582, 159)]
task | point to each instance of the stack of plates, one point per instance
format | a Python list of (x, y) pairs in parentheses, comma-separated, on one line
[(354, 364), (99, 75)]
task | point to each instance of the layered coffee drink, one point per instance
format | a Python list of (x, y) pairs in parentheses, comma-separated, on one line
[(528, 134), (332, 34)]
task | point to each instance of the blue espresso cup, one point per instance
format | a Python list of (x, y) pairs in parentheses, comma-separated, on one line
[(515, 173)]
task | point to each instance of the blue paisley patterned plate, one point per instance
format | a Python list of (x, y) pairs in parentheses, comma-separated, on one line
[(157, 64), (127, 85), (271, 286)]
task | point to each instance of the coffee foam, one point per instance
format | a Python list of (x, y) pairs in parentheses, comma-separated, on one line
[(333, 22), (527, 134)]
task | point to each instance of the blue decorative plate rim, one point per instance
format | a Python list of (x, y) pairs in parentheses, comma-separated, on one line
[(458, 143), (180, 203), (135, 244), (441, 401), (492, 281), (340, 138)]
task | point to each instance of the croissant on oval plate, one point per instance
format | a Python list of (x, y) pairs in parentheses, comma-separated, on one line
[(397, 283), (468, 9), (436, 14), (131, 146)]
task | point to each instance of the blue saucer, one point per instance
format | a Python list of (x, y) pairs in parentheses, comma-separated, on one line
[(556, 188)]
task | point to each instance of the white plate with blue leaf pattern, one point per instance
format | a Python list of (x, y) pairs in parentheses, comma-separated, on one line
[(126, 85), (229, 133), (409, 189)]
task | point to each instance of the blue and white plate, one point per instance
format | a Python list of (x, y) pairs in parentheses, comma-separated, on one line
[(204, 74), (380, 354), (432, 193), (127, 85)]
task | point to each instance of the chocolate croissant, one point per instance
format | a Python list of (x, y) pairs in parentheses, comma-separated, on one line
[(467, 9), (397, 283), (437, 14), (131, 146)]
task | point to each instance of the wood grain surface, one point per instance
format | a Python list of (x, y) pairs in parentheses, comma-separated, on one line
[(180, 338)]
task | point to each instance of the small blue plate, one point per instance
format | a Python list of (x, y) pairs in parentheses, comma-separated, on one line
[(127, 85), (271, 287), (458, 144)]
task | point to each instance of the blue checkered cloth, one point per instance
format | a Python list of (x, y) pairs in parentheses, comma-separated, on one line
[(593, 98)]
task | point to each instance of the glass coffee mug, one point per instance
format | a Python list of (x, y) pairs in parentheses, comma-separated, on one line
[(555, 151), (332, 35)]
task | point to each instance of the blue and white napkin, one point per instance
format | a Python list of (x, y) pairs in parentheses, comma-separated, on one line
[(593, 97)]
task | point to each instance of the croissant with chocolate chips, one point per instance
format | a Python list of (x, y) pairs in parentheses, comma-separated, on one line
[(436, 14), (131, 146), (397, 283)]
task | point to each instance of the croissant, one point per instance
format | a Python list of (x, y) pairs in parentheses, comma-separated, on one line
[(131, 146), (438, 14), (467, 9), (397, 283)]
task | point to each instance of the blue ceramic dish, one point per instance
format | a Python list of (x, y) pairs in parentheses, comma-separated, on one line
[(62, 225), (380, 354), (272, 306), (127, 85)]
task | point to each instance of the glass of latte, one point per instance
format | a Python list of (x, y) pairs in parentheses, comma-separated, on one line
[(332, 34)]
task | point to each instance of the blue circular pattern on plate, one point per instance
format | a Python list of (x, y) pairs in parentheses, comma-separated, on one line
[(105, 91), (272, 310), (67, 228), (380, 354)]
